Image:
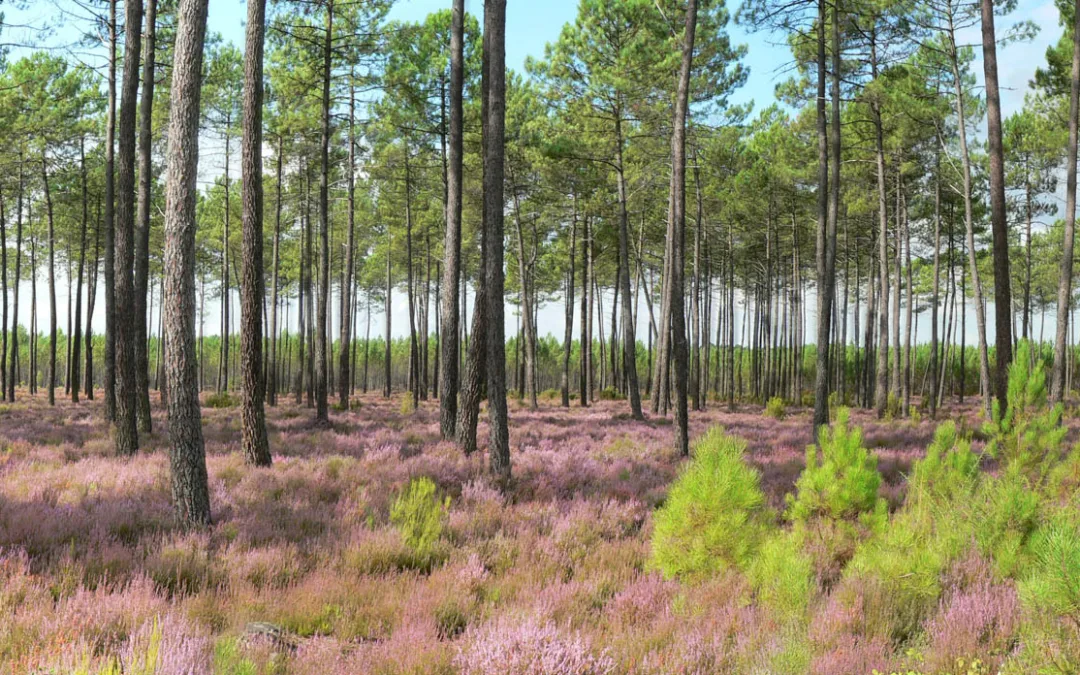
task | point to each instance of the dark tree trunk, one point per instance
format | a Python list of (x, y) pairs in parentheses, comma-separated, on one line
[(52, 283), (323, 298), (272, 379), (187, 453), (451, 310), (1064, 299), (126, 435), (142, 225), (110, 226), (495, 115), (678, 245), (344, 363), (256, 447), (1002, 281)]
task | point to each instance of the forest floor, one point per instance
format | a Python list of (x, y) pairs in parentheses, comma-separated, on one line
[(93, 572)]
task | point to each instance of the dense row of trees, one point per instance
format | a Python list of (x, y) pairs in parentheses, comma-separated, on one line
[(384, 162)]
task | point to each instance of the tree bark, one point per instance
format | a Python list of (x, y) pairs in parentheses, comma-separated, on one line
[(323, 298), (110, 226), (52, 283), (253, 438), (126, 435), (142, 226), (344, 362), (1002, 279), (191, 495), (495, 114), (678, 212), (1064, 299)]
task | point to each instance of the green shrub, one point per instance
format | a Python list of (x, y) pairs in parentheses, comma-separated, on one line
[(894, 407), (1052, 585), (220, 400), (551, 395), (407, 405), (715, 514), (775, 408), (1007, 512), (949, 468), (843, 484), (419, 515), (611, 394), (1029, 434), (782, 576)]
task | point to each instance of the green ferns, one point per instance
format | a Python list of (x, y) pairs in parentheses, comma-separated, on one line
[(715, 514), (843, 485)]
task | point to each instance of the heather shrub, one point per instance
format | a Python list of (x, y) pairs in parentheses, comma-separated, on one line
[(220, 399), (775, 408), (1028, 435), (550, 395), (528, 647), (843, 483), (715, 514), (419, 514), (184, 568)]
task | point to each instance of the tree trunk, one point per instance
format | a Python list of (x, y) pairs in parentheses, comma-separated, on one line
[(344, 362), (142, 225), (1002, 279), (568, 332), (980, 307), (495, 115), (628, 337), (1064, 299), (323, 298), (110, 226), (187, 453), (256, 447), (52, 284), (678, 244), (272, 380)]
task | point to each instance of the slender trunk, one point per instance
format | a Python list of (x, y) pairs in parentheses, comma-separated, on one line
[(52, 284), (344, 363), (272, 380), (678, 212), (1003, 313), (110, 225), (253, 438), (142, 224), (1064, 299), (323, 297), (495, 115)]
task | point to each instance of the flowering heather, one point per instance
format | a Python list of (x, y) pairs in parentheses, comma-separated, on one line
[(549, 576)]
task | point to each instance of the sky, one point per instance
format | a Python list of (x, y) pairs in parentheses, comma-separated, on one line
[(531, 24)]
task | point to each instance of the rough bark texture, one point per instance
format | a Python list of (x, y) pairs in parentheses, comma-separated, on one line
[(142, 225), (252, 416), (344, 363), (678, 212), (1057, 385), (110, 222), (629, 339), (126, 433), (451, 310), (495, 114), (52, 284), (323, 291), (187, 457), (1002, 281), (826, 232)]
